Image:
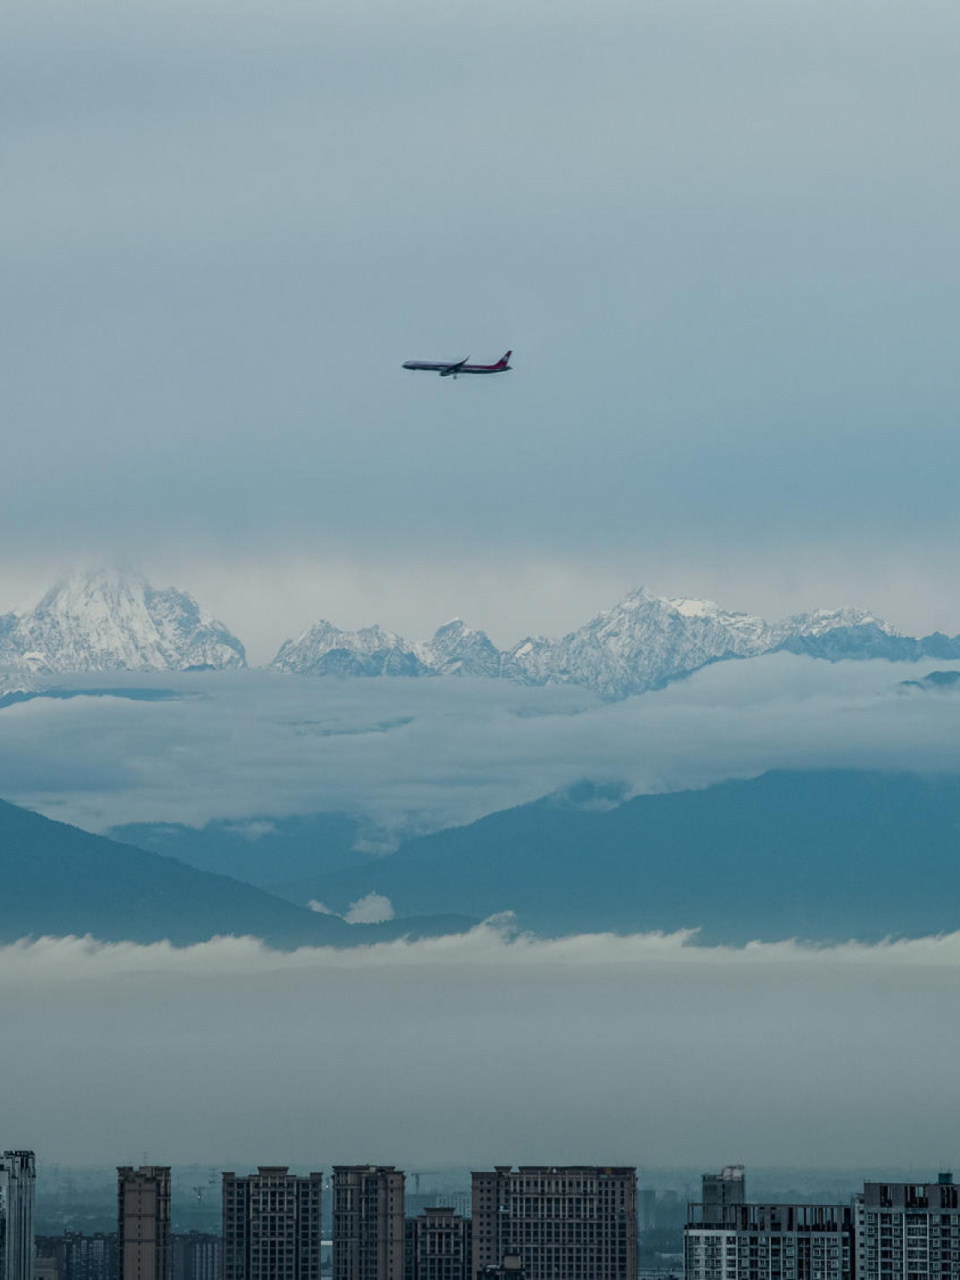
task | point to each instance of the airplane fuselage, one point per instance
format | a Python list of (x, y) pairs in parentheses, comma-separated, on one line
[(453, 368)]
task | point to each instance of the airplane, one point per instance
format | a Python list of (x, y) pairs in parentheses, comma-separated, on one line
[(451, 369)]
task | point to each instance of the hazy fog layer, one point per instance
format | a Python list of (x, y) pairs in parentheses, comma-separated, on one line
[(485, 1049), (422, 754)]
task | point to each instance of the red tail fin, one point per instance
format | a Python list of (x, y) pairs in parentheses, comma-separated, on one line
[(504, 360)]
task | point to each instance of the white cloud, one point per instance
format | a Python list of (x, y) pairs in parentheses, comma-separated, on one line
[(248, 745), (375, 908)]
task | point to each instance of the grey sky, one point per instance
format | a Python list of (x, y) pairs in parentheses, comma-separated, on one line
[(645, 1051), (719, 236)]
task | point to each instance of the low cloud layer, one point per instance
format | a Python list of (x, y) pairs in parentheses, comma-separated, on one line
[(485, 1048), (423, 754)]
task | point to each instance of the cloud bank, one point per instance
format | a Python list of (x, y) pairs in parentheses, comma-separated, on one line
[(485, 1048), (416, 755)]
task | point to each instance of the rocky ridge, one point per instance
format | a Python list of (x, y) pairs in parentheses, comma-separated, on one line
[(642, 643), (110, 621)]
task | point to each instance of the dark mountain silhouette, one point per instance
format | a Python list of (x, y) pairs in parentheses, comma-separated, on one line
[(58, 880), (821, 855)]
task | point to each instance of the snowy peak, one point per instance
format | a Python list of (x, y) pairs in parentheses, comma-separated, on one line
[(111, 621), (457, 649), (642, 643), (821, 621), (325, 650)]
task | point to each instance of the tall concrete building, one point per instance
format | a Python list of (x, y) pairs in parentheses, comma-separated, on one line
[(908, 1231), (720, 1190), (769, 1242), (570, 1221), (271, 1225), (438, 1245), (18, 1174), (368, 1222), (143, 1222)]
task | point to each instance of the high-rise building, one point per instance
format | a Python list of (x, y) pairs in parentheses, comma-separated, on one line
[(768, 1242), (438, 1245), (722, 1189), (197, 1255), (271, 1225), (568, 1221), (368, 1222), (143, 1222), (908, 1231), (18, 1173)]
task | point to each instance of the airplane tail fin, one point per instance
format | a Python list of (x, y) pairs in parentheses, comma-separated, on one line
[(504, 360)]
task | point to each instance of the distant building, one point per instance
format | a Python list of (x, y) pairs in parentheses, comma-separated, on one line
[(571, 1221), (769, 1242), (271, 1227), (416, 1201), (45, 1266), (197, 1255), (438, 1245), (908, 1231), (143, 1222), (18, 1174), (368, 1222), (647, 1209), (74, 1256), (720, 1190)]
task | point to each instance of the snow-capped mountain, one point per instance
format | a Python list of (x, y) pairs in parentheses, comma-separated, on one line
[(325, 650), (642, 643), (110, 621), (459, 650)]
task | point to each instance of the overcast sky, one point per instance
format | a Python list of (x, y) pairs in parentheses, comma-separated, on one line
[(718, 234)]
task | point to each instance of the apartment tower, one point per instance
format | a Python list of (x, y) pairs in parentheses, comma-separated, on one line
[(368, 1222), (726, 1239), (908, 1230), (143, 1222), (560, 1221), (271, 1225), (18, 1174), (438, 1245)]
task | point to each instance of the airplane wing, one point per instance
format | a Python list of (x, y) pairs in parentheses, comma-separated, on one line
[(453, 369)]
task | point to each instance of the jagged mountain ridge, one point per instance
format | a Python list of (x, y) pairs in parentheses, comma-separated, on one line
[(642, 643), (100, 620)]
